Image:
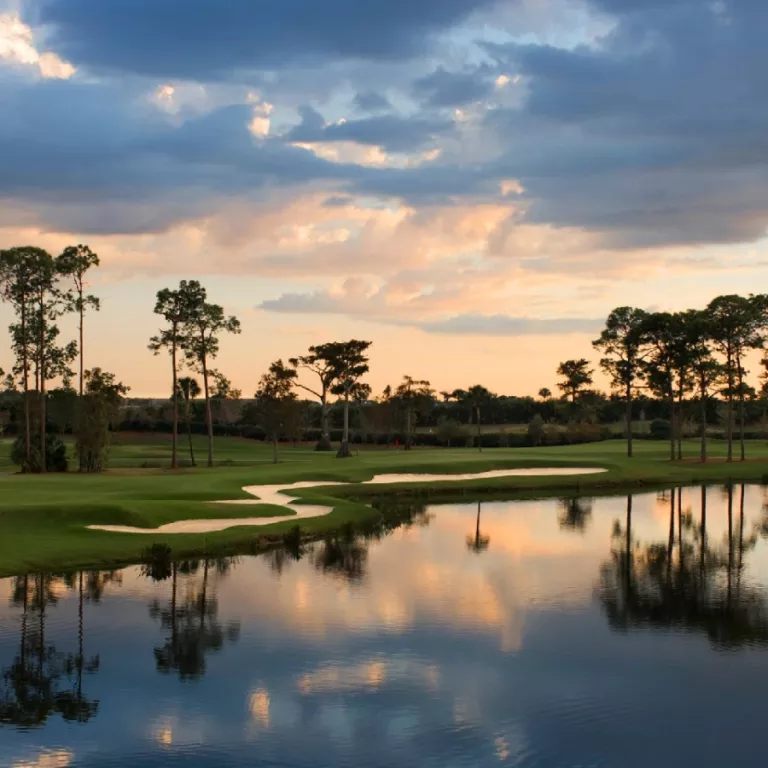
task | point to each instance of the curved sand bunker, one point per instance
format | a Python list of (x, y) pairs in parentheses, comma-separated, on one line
[(277, 495)]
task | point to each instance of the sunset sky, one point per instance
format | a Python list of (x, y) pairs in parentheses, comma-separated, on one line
[(471, 184)]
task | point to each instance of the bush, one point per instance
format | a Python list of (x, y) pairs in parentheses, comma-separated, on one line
[(536, 430), (55, 454), (660, 429)]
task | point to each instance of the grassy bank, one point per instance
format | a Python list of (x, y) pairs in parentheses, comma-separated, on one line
[(43, 519)]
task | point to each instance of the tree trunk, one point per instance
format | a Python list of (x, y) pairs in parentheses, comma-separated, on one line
[(729, 409), (479, 437), (43, 409), (80, 414), (208, 414), (703, 425), (628, 420), (274, 449), (189, 433), (175, 429), (324, 444), (407, 446), (25, 366), (672, 426), (344, 451), (740, 373), (680, 427), (80, 329)]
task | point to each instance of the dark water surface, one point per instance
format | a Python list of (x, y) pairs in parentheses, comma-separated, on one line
[(554, 634)]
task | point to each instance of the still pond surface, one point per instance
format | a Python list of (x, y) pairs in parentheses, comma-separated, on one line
[(593, 632)]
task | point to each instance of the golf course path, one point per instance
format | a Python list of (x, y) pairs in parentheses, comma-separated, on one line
[(278, 495)]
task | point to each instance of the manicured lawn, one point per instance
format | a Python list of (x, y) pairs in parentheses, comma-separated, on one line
[(42, 519)]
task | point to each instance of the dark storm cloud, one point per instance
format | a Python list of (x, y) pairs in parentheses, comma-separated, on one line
[(396, 134), (453, 89), (213, 38), (655, 136)]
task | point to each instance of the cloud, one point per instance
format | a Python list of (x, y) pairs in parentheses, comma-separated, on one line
[(372, 101), (393, 133), (507, 325), (209, 39), (17, 46), (653, 136), (454, 89)]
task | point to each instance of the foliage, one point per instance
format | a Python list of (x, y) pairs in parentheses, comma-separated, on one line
[(275, 399), (100, 406), (55, 454), (576, 377), (660, 429)]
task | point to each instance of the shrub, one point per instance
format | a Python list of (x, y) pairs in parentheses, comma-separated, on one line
[(660, 429), (55, 454)]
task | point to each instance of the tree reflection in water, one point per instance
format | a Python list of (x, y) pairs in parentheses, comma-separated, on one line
[(34, 686), (478, 542), (687, 582), (345, 554), (191, 621), (575, 514)]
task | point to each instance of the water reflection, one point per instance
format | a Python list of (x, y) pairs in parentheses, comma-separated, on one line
[(553, 632), (691, 581), (191, 621)]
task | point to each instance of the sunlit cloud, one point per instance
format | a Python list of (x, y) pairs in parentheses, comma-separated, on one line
[(17, 47)]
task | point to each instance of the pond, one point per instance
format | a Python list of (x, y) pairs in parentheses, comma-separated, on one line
[(616, 631)]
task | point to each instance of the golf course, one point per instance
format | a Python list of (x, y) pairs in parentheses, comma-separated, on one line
[(45, 519)]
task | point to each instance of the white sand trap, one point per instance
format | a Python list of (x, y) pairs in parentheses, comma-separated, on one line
[(277, 495)]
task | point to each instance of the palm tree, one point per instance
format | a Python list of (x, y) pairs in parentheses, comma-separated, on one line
[(189, 390)]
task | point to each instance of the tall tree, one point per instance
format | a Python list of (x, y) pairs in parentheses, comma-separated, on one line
[(171, 306), (663, 332), (189, 389), (75, 262), (414, 395), (274, 397), (350, 360), (17, 271), (707, 373), (576, 377), (622, 342), (203, 325), (736, 323), (323, 361), (545, 394), (49, 303)]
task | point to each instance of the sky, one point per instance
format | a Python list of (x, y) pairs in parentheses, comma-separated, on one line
[(470, 184)]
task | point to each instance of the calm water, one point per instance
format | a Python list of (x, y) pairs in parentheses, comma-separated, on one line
[(552, 634)]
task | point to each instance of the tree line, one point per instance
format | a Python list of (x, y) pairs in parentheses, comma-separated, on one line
[(682, 366), (686, 359)]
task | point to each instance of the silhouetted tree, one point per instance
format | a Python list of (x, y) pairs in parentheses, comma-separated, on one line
[(622, 343), (171, 306), (203, 325), (576, 377)]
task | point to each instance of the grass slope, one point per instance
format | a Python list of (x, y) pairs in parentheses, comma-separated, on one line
[(43, 519)]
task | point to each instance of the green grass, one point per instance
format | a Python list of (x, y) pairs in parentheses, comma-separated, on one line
[(43, 519)]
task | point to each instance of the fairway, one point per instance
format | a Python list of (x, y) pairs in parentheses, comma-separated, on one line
[(43, 519)]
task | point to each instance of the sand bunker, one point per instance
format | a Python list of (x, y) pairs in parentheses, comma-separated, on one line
[(278, 495)]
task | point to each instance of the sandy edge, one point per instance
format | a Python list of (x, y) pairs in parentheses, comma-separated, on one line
[(277, 495)]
